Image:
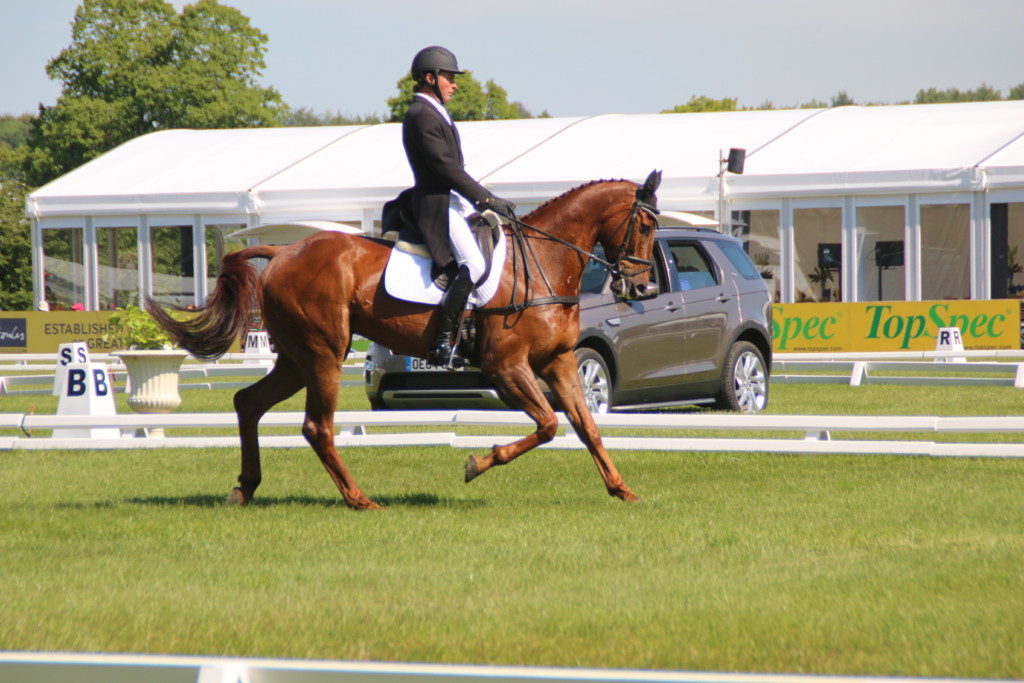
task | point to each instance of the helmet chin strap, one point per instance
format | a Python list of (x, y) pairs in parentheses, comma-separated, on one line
[(436, 85)]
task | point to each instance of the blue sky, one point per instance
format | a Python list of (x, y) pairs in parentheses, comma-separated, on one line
[(579, 57)]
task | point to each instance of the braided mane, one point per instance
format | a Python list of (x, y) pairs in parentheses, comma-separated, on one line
[(573, 190)]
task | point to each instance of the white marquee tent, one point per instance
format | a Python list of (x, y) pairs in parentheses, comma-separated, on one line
[(945, 181)]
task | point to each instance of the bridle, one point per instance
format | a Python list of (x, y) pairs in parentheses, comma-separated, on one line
[(523, 250), (631, 223)]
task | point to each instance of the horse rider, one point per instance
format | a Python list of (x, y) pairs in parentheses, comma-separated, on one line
[(443, 195)]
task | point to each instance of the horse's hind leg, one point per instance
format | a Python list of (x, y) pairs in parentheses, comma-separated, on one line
[(251, 403), (561, 375), (318, 428)]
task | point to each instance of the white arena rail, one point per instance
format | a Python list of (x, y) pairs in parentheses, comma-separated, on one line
[(354, 429), (245, 367), (930, 367), (856, 373), (113, 668)]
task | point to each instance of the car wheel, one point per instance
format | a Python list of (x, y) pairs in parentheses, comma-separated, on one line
[(595, 380), (745, 381)]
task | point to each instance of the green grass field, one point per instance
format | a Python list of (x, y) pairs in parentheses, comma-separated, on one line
[(733, 562)]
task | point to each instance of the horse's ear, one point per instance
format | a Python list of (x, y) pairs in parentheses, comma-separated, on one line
[(646, 193)]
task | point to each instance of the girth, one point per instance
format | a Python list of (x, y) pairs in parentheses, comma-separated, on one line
[(522, 253), (568, 300)]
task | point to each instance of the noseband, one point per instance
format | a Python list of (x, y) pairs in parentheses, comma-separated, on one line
[(631, 223)]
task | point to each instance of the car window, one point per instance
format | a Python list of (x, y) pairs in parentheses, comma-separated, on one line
[(594, 274), (690, 266), (739, 260)]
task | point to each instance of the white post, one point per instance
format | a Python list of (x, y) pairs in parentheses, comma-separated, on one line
[(145, 259), (849, 280), (981, 249), (912, 249), (199, 260), (787, 253), (90, 263), (367, 222), (38, 274)]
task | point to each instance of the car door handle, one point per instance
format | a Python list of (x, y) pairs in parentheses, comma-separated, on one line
[(722, 298), (671, 306)]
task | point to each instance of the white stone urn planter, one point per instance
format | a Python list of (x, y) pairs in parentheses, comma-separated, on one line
[(153, 380)]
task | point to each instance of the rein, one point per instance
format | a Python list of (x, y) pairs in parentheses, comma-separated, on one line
[(613, 268), (521, 245)]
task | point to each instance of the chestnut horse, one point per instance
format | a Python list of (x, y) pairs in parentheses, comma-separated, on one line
[(316, 293)]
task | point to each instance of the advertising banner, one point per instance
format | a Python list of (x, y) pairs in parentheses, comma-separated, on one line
[(44, 332), (893, 325)]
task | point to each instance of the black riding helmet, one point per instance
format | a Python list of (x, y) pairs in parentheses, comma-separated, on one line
[(432, 60)]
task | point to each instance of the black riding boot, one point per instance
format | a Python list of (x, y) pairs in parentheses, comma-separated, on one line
[(452, 306)]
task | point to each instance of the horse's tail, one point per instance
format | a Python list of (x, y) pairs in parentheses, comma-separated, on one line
[(226, 313)]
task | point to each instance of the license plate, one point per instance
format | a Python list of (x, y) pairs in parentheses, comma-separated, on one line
[(420, 365)]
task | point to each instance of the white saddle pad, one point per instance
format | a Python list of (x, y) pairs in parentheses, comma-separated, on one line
[(407, 277)]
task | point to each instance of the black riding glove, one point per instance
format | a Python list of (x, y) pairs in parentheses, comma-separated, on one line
[(498, 205)]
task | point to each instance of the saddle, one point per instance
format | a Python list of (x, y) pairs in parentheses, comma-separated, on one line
[(486, 229)]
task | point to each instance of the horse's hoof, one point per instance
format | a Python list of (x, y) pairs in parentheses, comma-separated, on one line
[(625, 495), (472, 468), (236, 497), (364, 504)]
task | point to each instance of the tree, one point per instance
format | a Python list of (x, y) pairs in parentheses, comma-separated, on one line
[(136, 66), (841, 99), (702, 103), (1016, 92), (766, 105), (304, 116), (813, 104), (471, 102), (983, 93), (15, 249), (14, 130)]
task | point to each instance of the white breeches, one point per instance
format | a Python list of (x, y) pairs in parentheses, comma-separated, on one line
[(464, 246)]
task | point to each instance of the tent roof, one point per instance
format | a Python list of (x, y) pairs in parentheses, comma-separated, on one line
[(275, 174)]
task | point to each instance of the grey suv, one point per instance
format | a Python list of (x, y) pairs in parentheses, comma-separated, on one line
[(705, 339)]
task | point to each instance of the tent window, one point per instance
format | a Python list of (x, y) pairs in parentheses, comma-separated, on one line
[(64, 268), (759, 231), (818, 263), (880, 259), (217, 245), (173, 270), (945, 251), (117, 254), (1007, 251)]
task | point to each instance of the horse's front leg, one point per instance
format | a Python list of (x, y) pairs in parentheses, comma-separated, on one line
[(562, 376), (519, 384)]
